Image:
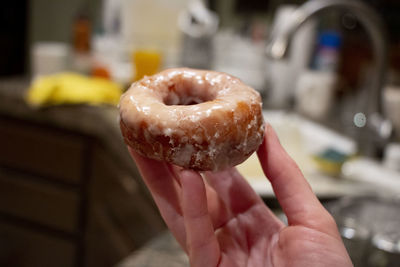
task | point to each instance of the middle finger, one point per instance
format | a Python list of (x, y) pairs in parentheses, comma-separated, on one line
[(216, 207)]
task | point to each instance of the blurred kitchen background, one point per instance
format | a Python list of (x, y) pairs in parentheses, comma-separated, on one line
[(328, 72)]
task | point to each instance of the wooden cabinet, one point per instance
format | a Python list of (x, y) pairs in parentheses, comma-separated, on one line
[(26, 247), (42, 150), (65, 200), (41, 203)]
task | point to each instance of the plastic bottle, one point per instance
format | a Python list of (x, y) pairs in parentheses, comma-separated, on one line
[(327, 56)]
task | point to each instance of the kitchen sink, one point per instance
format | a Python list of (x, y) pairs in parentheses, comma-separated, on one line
[(304, 140)]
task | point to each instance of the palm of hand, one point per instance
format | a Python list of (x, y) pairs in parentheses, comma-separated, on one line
[(220, 221), (250, 235), (256, 246)]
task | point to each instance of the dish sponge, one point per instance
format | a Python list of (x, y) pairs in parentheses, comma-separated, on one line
[(330, 161)]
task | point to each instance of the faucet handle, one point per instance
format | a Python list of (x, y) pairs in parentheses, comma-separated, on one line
[(380, 126)]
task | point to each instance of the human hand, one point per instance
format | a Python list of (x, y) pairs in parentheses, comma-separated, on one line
[(221, 221)]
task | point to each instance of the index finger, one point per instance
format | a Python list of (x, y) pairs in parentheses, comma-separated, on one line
[(165, 191), (293, 192)]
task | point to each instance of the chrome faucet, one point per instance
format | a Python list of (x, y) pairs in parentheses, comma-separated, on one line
[(277, 48)]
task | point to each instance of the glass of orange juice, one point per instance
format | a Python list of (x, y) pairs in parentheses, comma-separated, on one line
[(146, 62)]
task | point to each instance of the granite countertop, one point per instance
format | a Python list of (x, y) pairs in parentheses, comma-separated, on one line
[(162, 251)]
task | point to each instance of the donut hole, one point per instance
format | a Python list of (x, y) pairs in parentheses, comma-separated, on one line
[(187, 97)]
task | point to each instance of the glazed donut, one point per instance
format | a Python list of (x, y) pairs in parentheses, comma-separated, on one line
[(196, 119)]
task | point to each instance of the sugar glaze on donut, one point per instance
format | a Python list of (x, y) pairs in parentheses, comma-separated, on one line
[(200, 120)]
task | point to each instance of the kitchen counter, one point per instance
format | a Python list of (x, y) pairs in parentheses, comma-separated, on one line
[(162, 251)]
